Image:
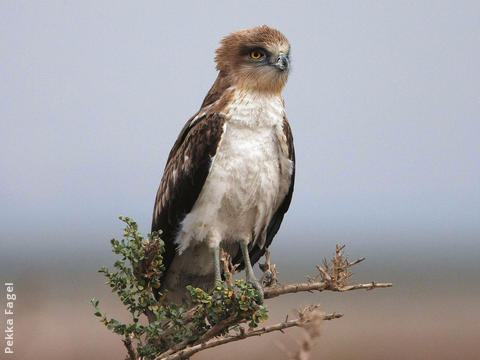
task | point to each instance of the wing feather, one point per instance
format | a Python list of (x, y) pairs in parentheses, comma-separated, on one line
[(187, 168)]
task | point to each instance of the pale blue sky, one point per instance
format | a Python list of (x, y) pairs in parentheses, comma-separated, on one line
[(384, 102)]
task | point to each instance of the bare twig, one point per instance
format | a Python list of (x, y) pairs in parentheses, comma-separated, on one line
[(273, 292), (270, 272), (209, 334), (228, 267), (189, 351), (312, 332), (222, 326), (332, 275)]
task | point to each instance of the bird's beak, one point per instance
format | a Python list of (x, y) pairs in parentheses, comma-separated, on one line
[(282, 62)]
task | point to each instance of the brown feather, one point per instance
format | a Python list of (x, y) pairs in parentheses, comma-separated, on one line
[(233, 62), (183, 178), (189, 161)]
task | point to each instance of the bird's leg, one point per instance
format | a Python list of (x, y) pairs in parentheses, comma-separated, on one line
[(216, 263), (249, 270)]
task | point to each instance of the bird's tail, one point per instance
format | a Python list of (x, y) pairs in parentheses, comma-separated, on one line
[(192, 267)]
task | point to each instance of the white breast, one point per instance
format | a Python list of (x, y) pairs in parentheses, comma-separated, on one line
[(248, 177)]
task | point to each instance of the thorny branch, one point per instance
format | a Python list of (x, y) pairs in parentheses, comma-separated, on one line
[(231, 312), (300, 322), (332, 276)]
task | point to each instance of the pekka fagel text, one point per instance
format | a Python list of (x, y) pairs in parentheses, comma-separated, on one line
[(11, 297)]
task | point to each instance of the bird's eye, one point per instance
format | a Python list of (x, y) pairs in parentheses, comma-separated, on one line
[(255, 54)]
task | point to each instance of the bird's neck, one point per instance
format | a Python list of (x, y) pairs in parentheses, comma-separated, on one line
[(254, 109)]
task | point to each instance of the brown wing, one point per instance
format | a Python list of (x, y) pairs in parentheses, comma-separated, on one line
[(187, 168)]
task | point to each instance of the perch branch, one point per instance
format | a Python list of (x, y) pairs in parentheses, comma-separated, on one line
[(189, 351), (173, 338), (332, 276), (276, 291)]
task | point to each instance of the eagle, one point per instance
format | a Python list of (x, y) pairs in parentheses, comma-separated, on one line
[(229, 177)]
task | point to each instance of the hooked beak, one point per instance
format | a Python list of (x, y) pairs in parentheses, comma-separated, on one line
[(282, 62)]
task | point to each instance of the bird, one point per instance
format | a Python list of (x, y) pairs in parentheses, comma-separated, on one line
[(229, 177)]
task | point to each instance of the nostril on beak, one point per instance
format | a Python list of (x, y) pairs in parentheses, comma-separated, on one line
[(282, 62)]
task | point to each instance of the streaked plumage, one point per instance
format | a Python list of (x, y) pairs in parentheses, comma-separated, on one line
[(229, 177)]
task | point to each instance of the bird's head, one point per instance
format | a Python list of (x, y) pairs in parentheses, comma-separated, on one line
[(255, 59)]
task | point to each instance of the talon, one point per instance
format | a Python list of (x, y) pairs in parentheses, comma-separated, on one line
[(267, 278)]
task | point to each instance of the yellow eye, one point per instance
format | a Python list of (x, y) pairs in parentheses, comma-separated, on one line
[(255, 54)]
